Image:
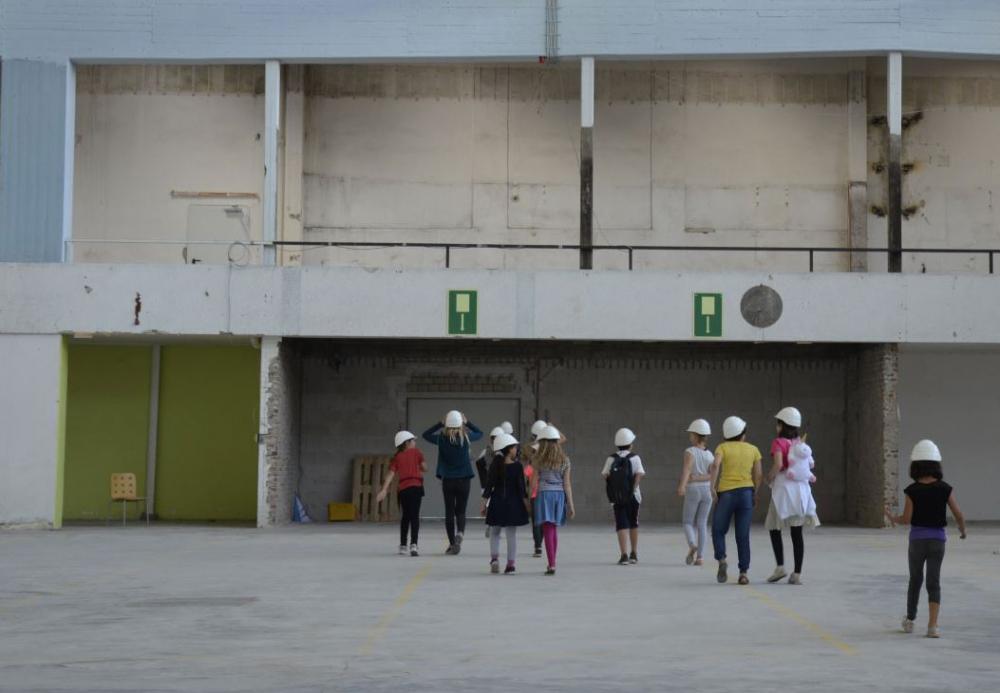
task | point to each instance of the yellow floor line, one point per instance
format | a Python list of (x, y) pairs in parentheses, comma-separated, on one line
[(802, 621), (378, 630)]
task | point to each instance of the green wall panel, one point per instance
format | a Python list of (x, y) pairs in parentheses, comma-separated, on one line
[(107, 423), (206, 465)]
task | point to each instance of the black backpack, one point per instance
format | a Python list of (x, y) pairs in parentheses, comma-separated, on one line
[(621, 481)]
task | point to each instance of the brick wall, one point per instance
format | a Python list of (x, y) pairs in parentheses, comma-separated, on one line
[(872, 434)]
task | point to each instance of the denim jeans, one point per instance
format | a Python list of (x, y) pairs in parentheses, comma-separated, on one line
[(739, 503)]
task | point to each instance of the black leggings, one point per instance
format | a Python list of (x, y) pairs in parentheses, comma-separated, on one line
[(456, 497), (931, 552), (409, 502), (536, 527), (798, 547)]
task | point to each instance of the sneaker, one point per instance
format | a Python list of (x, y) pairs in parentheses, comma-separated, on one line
[(458, 539), (494, 566), (699, 562), (692, 552), (623, 560), (932, 632), (795, 579), (550, 570), (537, 554), (509, 569), (778, 574), (744, 580), (402, 549), (907, 625), (452, 550), (722, 575), (413, 550), (632, 558)]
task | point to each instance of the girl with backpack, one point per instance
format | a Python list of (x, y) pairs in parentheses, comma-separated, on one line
[(735, 479), (622, 473), (508, 500), (551, 483), (792, 504), (694, 487), (408, 465), (927, 500), (454, 469)]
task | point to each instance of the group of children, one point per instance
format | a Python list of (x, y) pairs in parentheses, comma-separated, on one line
[(533, 484)]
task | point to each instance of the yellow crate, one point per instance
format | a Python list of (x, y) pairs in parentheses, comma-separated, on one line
[(341, 512)]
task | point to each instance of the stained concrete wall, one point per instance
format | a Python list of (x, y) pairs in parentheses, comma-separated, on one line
[(950, 396), (158, 148), (282, 417), (354, 399), (32, 428)]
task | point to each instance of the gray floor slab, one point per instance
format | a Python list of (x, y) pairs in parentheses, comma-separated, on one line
[(332, 608)]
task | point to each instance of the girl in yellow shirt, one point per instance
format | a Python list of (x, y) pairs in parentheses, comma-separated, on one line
[(736, 475)]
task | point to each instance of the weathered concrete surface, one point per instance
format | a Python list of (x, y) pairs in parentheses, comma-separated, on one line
[(334, 609)]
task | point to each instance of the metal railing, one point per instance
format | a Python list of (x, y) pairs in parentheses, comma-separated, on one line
[(447, 247)]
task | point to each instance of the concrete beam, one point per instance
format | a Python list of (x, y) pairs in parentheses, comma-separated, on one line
[(894, 202), (857, 163), (292, 156), (37, 142), (272, 134)]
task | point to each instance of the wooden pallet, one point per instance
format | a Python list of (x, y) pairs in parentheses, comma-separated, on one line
[(370, 472)]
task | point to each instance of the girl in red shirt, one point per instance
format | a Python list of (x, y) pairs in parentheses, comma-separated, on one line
[(408, 464)]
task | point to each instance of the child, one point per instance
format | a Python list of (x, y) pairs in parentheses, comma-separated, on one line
[(926, 500), (694, 487), (792, 504), (483, 464), (527, 455), (736, 476), (622, 473), (408, 465), (551, 483), (454, 469), (507, 500)]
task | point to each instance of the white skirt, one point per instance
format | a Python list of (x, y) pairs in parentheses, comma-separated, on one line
[(792, 505)]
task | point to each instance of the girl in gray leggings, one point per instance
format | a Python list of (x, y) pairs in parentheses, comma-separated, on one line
[(695, 488), (927, 500)]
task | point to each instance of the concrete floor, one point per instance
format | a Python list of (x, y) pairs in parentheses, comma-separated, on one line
[(333, 608)]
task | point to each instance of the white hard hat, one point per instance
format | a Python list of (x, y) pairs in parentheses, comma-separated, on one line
[(538, 427), (624, 437), (498, 431), (701, 427), (789, 416), (550, 433), (507, 428), (403, 436), (733, 427), (453, 419), (504, 440), (925, 451)]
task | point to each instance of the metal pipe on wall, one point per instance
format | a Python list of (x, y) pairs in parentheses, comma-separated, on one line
[(586, 163), (894, 118)]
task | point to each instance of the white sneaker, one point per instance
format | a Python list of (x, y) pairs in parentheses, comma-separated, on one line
[(778, 574), (932, 632), (402, 550), (907, 625), (795, 579), (413, 550)]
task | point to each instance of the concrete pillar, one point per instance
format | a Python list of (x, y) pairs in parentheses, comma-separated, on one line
[(872, 434), (857, 164), (272, 126), (292, 153), (586, 163), (894, 117), (37, 143), (278, 440)]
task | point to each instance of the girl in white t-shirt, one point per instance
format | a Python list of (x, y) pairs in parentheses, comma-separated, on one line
[(696, 488)]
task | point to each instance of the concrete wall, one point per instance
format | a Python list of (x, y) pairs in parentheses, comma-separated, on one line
[(351, 302), (386, 29), (354, 398), (282, 421), (686, 153), (150, 140), (950, 396), (32, 428)]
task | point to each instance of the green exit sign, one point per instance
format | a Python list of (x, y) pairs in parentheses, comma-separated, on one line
[(462, 310), (708, 315)]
